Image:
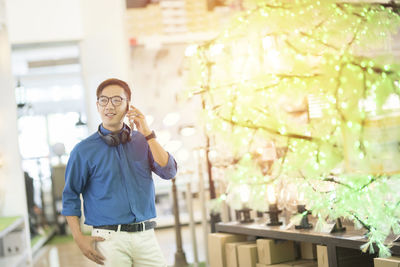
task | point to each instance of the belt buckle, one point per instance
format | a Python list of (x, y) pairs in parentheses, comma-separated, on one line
[(143, 226)]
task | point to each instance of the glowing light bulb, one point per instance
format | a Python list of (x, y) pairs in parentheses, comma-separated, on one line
[(149, 119), (271, 194), (171, 118), (163, 136), (182, 155), (244, 193), (268, 42), (173, 145), (191, 50), (216, 49), (187, 131)]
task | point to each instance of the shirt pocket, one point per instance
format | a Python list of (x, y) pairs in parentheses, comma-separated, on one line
[(142, 168)]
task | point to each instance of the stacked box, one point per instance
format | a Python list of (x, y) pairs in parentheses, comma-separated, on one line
[(274, 251), (299, 263), (247, 255), (322, 256), (216, 247), (389, 262), (231, 251), (310, 263), (308, 251)]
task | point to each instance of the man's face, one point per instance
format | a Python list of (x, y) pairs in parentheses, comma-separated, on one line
[(112, 115)]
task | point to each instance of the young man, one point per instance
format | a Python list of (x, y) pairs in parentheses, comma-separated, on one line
[(112, 169)]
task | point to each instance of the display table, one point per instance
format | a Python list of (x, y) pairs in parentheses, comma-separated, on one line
[(350, 239)]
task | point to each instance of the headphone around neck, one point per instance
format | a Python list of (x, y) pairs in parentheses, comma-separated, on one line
[(114, 139)]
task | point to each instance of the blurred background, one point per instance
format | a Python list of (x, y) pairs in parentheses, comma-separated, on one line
[(188, 61), (53, 54)]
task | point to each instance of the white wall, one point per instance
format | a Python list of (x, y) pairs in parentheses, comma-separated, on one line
[(44, 20), (12, 184), (104, 48), (11, 176), (97, 24)]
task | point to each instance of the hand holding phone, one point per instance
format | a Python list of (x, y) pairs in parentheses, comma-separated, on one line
[(136, 117)]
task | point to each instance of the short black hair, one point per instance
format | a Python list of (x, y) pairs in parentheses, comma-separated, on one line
[(114, 81)]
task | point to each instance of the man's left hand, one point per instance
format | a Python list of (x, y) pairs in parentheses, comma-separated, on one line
[(137, 118)]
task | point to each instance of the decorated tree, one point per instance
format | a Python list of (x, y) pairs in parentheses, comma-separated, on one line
[(303, 96)]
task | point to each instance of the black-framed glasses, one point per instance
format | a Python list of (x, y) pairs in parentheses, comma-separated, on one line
[(115, 100)]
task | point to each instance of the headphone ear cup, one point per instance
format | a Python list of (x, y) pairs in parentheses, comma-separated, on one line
[(115, 139), (125, 135), (110, 140)]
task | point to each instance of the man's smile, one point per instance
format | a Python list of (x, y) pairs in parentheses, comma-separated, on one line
[(110, 114)]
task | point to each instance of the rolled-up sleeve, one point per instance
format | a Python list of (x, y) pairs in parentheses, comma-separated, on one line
[(76, 174), (166, 172)]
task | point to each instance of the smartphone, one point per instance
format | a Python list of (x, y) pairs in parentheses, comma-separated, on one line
[(127, 122)]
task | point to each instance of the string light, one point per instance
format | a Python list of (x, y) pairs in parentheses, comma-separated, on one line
[(258, 78)]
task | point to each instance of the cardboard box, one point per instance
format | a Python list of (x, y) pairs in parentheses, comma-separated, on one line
[(216, 247), (231, 253), (308, 251), (322, 256), (272, 265), (307, 263), (299, 263), (275, 251), (389, 262), (247, 255)]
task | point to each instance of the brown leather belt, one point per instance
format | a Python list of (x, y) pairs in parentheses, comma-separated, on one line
[(133, 227)]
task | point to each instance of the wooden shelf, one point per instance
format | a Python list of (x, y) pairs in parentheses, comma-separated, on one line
[(351, 238), (176, 38), (43, 239), (8, 224), (14, 261)]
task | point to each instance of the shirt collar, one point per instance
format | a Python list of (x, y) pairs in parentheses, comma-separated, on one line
[(104, 131)]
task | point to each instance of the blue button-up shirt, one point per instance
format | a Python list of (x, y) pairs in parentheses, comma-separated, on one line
[(116, 182)]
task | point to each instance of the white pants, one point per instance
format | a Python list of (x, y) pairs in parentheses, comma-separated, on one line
[(127, 249)]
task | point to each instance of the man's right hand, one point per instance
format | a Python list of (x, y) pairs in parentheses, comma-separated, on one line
[(86, 244)]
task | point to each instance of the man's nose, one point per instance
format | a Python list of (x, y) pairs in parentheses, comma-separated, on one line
[(109, 104)]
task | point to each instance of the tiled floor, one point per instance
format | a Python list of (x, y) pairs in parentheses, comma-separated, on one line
[(68, 254)]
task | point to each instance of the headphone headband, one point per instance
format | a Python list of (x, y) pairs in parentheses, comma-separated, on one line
[(114, 139)]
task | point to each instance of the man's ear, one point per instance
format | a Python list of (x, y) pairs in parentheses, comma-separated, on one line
[(127, 107)]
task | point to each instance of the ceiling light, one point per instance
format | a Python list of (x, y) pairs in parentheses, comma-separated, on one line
[(163, 137), (149, 119), (171, 118), (188, 130), (182, 155), (173, 146)]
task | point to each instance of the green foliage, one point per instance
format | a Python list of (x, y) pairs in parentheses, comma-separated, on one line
[(315, 78)]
